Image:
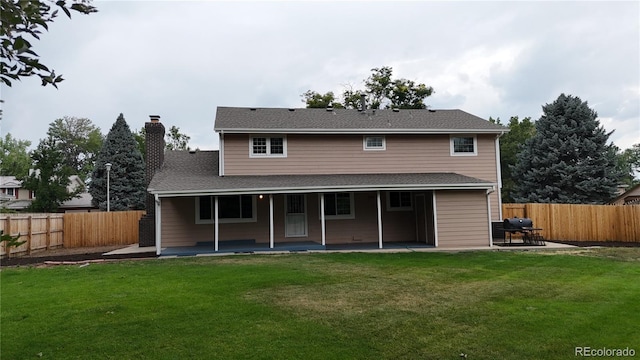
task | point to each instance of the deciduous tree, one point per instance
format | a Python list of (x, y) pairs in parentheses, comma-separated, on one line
[(568, 160), (629, 165), (126, 178), (314, 99), (511, 144), (176, 140), (50, 178), (381, 91), (22, 22), (80, 141), (14, 157)]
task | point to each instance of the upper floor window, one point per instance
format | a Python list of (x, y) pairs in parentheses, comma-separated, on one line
[(231, 209), (374, 143), (399, 201), (464, 145), (11, 192), (339, 206), (267, 146)]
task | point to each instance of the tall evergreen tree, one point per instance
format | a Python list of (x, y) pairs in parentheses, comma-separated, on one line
[(126, 179), (568, 159)]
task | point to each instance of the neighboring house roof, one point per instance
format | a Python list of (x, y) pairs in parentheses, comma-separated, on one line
[(83, 201), (629, 197), (10, 182), (17, 204), (265, 120), (9, 202), (196, 173)]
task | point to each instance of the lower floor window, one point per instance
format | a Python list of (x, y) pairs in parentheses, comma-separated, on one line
[(338, 206), (232, 208), (399, 200)]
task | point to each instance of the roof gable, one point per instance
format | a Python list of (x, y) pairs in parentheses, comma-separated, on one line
[(282, 120), (10, 182)]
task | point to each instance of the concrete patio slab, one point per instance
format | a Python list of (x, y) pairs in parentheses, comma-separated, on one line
[(173, 252)]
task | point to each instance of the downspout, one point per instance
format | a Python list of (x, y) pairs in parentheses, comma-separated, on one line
[(221, 155), (489, 215)]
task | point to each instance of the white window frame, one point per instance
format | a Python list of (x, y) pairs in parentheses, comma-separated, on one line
[(11, 191), (399, 208), (452, 147), (365, 146), (254, 217), (352, 208), (268, 154)]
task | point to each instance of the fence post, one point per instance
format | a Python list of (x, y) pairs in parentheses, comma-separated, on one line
[(29, 233), (48, 237), (8, 231)]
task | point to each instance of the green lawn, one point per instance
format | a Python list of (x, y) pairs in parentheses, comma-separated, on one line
[(488, 305)]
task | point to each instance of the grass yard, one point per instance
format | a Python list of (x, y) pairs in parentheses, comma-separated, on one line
[(488, 305)]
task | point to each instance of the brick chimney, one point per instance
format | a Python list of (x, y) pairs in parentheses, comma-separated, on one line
[(154, 140)]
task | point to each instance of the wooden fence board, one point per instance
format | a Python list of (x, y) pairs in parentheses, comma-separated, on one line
[(48, 231), (32, 228), (578, 222), (101, 228)]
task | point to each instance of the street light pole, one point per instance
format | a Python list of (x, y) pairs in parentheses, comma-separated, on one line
[(108, 166)]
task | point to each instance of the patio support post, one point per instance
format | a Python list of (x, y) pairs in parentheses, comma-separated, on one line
[(379, 220), (271, 221), (435, 218), (322, 222), (158, 224), (216, 230)]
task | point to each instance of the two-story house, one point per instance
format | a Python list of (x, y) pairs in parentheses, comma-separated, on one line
[(323, 178), (14, 197)]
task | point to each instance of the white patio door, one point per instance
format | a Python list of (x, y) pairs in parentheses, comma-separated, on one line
[(295, 216)]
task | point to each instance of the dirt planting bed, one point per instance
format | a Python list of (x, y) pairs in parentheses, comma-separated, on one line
[(70, 255)]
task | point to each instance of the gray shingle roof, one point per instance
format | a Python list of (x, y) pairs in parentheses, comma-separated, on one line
[(234, 119), (185, 173)]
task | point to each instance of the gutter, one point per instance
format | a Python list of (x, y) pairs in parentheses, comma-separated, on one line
[(321, 189), (361, 131)]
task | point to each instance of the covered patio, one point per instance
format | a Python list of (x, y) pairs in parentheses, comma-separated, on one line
[(313, 212)]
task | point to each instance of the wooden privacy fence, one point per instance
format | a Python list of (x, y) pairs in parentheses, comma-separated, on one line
[(581, 222), (101, 228), (40, 231), (48, 231)]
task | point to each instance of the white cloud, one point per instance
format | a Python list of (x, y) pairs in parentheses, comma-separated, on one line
[(183, 59)]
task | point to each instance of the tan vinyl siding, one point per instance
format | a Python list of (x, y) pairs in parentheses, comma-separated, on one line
[(22, 194), (179, 227), (462, 219), (362, 229), (344, 154), (178, 223)]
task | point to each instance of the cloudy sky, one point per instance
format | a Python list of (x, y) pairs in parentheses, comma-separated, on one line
[(181, 59)]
